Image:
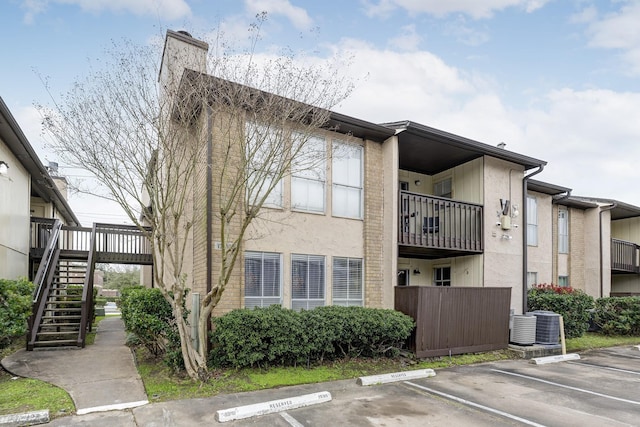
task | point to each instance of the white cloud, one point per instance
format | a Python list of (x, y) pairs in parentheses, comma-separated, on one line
[(162, 9), (465, 33), (620, 31), (588, 137), (408, 39), (296, 15), (474, 8)]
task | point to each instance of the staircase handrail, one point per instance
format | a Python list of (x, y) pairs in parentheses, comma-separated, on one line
[(45, 262), (86, 320), (40, 303)]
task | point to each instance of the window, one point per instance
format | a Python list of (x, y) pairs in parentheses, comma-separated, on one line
[(309, 175), (262, 279), (563, 281), (307, 281), (262, 143), (532, 279), (442, 276), (532, 221), (347, 180), (443, 188), (563, 231), (347, 281)]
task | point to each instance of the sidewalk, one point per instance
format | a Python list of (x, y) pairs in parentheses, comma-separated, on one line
[(99, 377)]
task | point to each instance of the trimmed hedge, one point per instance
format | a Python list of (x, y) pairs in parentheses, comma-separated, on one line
[(15, 308), (148, 316), (572, 304), (618, 315), (270, 336)]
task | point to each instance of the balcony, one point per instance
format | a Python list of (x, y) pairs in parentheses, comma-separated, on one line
[(435, 227), (625, 257)]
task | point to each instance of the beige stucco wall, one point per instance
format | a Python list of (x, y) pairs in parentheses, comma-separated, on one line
[(15, 188), (465, 270), (540, 256), (467, 181), (503, 256)]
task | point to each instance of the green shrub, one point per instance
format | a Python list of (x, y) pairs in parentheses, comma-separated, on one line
[(148, 315), (276, 336), (572, 304), (618, 315), (15, 308)]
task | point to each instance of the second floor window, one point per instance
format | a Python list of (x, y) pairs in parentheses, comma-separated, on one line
[(309, 175), (262, 142), (563, 231), (443, 188), (532, 221), (347, 173)]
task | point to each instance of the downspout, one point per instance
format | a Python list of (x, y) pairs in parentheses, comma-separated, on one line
[(525, 260), (209, 208), (604, 209)]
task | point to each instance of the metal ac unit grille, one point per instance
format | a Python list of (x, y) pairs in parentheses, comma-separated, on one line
[(523, 331), (547, 327)]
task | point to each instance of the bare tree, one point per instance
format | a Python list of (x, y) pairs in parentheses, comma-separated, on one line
[(147, 144)]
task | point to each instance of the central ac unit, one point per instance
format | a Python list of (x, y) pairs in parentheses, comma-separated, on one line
[(547, 327), (523, 331)]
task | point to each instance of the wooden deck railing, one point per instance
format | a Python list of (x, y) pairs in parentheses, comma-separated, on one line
[(625, 256), (112, 242), (436, 222)]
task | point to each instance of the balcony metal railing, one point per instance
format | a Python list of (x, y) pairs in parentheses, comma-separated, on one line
[(439, 223), (625, 256)]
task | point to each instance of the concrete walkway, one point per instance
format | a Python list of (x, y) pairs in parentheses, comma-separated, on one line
[(99, 377)]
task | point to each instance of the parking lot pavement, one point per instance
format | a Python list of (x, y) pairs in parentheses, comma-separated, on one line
[(600, 389)]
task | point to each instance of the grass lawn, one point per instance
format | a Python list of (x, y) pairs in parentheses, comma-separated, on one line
[(161, 384), (26, 394), (20, 395)]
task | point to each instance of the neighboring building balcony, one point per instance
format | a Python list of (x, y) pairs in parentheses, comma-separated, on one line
[(435, 227), (625, 257)]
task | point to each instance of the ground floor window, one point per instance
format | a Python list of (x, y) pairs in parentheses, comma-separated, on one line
[(532, 279), (563, 281), (262, 279), (442, 276), (347, 281), (307, 281)]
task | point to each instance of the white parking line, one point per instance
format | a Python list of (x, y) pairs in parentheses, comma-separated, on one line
[(593, 365), (475, 405), (292, 421), (595, 393)]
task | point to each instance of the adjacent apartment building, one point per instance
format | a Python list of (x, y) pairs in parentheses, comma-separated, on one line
[(27, 189), (587, 243)]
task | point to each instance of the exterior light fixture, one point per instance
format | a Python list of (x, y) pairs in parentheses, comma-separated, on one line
[(416, 271), (4, 168), (417, 182)]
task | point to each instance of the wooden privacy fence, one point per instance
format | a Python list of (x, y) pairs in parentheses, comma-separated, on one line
[(455, 320)]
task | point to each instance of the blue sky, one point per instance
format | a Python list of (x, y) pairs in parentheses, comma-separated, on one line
[(557, 80)]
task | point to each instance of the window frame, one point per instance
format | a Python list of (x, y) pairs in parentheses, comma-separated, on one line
[(563, 281), (530, 275), (532, 221), (337, 187), (258, 255), (348, 301), (305, 175), (441, 281), (275, 197), (308, 303), (563, 231)]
